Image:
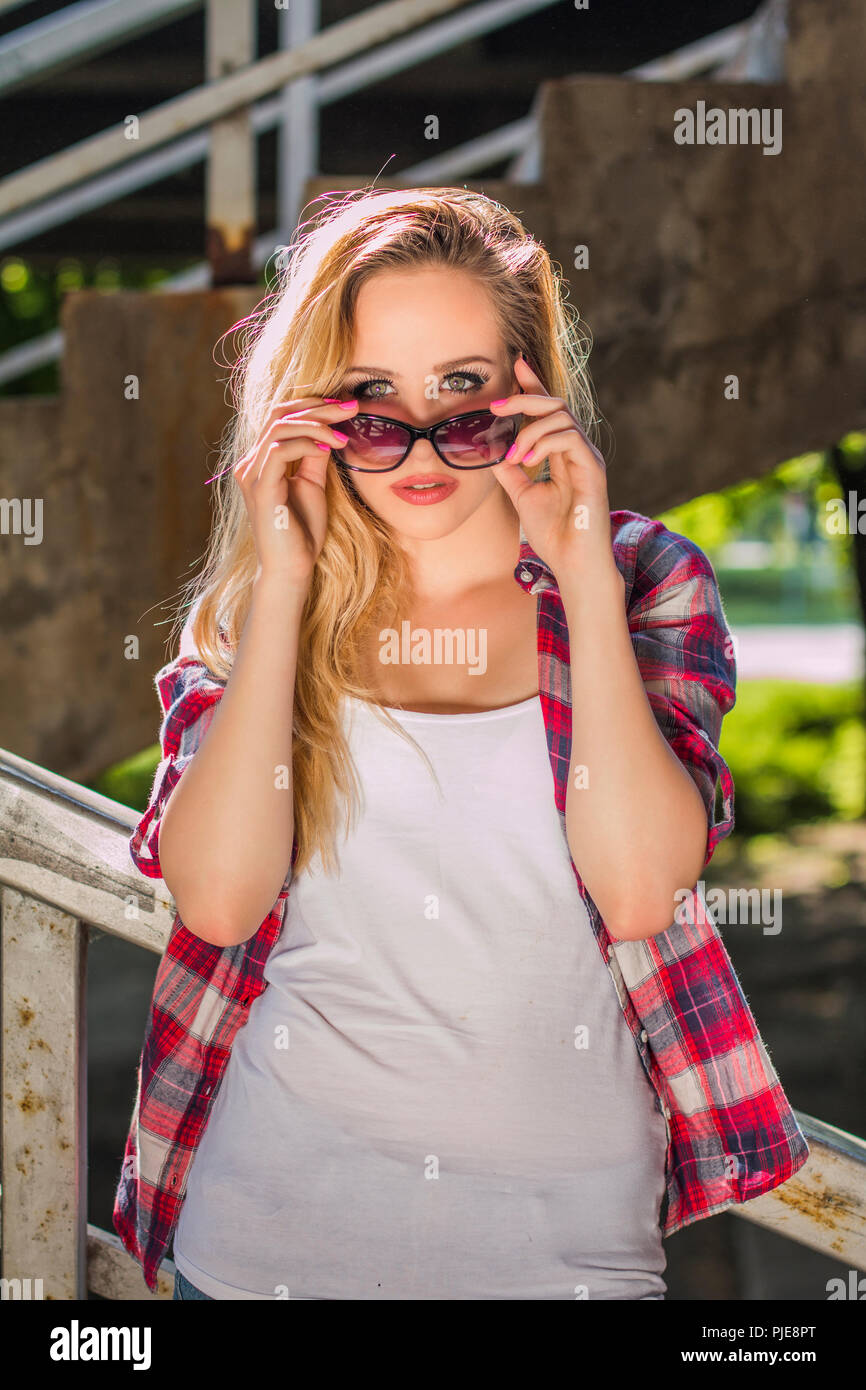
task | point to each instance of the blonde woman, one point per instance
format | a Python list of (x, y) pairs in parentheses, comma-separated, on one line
[(440, 1016)]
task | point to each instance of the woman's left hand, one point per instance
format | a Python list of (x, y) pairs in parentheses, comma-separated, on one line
[(565, 518)]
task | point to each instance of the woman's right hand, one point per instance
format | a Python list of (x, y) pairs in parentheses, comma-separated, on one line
[(288, 515)]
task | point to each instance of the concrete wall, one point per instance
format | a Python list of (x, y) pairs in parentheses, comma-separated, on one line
[(712, 261), (705, 262), (125, 517)]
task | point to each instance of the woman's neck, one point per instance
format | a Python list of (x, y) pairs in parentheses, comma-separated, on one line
[(483, 550)]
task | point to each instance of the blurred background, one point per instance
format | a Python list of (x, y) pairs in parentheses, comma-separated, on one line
[(724, 289)]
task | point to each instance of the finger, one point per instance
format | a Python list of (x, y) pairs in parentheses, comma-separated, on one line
[(527, 377), (558, 469), (306, 402), (312, 470), (271, 460), (300, 403), (331, 406), (287, 426), (526, 405), (571, 446), (287, 431), (513, 478), (251, 470), (538, 441), (328, 409), (528, 434)]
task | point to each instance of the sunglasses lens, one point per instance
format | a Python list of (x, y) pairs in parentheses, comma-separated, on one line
[(475, 441), (373, 443)]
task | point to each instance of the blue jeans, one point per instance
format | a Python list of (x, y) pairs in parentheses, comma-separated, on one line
[(185, 1290)]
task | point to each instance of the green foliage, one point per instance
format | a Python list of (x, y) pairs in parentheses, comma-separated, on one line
[(797, 753), (753, 509), (130, 781), (785, 595)]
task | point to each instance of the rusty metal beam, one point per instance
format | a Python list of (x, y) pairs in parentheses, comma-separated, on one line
[(824, 1204), (44, 1158), (230, 176)]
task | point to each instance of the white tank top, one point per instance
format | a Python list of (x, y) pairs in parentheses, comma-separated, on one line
[(436, 1096)]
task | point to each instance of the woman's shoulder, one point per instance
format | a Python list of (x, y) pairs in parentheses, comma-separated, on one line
[(188, 674), (675, 611), (187, 646), (651, 556)]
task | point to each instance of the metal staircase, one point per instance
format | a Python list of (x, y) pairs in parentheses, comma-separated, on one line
[(220, 121)]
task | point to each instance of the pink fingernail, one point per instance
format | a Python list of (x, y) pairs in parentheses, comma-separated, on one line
[(511, 451), (530, 455), (347, 405), (343, 438), (320, 445), (504, 401)]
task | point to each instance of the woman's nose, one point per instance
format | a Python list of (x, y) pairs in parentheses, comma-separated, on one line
[(421, 451)]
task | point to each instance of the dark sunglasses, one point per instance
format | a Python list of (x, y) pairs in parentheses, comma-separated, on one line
[(377, 444)]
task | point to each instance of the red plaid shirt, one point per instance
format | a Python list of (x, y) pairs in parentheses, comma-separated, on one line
[(731, 1133)]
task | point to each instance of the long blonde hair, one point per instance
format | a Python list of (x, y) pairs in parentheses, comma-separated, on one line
[(298, 343)]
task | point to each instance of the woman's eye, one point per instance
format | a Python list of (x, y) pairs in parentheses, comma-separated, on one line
[(364, 389), (456, 382), (472, 381)]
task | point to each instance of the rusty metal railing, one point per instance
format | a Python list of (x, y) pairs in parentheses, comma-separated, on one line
[(65, 868)]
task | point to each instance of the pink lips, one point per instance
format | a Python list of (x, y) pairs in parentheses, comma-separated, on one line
[(425, 497)]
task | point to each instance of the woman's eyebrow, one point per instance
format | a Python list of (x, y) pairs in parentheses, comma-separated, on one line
[(437, 366)]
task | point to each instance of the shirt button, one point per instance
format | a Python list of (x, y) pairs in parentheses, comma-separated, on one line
[(643, 1035), (667, 1112), (526, 574)]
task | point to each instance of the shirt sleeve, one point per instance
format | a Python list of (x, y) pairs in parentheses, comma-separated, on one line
[(684, 650), (189, 693)]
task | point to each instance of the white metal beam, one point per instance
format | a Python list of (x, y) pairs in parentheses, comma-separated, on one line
[(78, 33), (215, 100), (182, 153), (230, 171), (298, 123), (520, 138)]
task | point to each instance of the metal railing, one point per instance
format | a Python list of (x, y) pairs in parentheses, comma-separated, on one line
[(380, 42), (222, 97), (373, 54), (79, 33), (64, 869)]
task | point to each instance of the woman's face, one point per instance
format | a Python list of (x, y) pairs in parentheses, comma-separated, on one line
[(426, 347)]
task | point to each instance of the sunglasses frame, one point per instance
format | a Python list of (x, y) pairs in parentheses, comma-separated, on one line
[(429, 433)]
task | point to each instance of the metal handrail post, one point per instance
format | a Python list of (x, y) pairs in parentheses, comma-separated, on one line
[(214, 100), (230, 174), (298, 128)]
